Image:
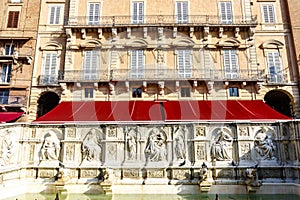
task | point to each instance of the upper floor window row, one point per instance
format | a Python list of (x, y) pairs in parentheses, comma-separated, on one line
[(181, 13)]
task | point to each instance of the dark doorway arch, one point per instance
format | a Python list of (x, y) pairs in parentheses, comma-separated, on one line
[(47, 102), (279, 101)]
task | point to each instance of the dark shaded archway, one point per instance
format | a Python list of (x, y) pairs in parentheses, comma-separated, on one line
[(279, 101), (47, 102)]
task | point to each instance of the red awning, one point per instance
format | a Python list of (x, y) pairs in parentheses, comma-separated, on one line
[(9, 116), (153, 111)]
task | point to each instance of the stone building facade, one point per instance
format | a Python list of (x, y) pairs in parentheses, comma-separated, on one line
[(18, 36), (141, 50)]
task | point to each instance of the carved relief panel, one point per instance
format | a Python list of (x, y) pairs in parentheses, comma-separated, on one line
[(264, 148), (8, 146), (156, 149), (221, 144), (92, 146)]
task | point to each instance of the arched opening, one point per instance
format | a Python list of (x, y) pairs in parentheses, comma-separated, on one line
[(279, 101), (47, 102)]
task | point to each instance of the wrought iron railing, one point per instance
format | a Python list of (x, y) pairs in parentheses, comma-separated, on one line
[(161, 20), (157, 74)]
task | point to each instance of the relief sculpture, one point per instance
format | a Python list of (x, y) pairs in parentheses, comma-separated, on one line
[(131, 144), (156, 146), (7, 147), (51, 147), (91, 146), (263, 145), (220, 145), (179, 142)]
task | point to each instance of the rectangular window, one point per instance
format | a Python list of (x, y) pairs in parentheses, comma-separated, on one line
[(275, 67), (185, 92), (184, 63), (136, 92), (5, 73), (182, 12), (88, 93), (137, 69), (233, 92), (13, 19), (268, 13), (137, 12), (55, 14), (9, 49), (93, 13), (91, 63), (226, 12), (231, 68), (50, 66), (4, 94)]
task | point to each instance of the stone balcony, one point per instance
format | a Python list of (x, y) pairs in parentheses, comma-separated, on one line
[(160, 20), (156, 75)]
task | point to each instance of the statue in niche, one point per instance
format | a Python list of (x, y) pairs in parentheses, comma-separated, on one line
[(179, 142), (219, 148), (7, 147), (263, 145), (91, 146), (160, 56), (51, 147), (131, 144), (156, 148)]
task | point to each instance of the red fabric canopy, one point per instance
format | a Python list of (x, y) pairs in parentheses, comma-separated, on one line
[(153, 111), (9, 116)]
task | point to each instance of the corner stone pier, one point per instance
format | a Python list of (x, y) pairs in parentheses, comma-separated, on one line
[(164, 158)]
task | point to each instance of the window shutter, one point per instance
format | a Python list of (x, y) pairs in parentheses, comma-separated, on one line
[(52, 15), (137, 64), (91, 63), (268, 13), (13, 18), (6, 70), (94, 13), (184, 63), (50, 65), (138, 12), (230, 64), (182, 11), (57, 17), (226, 12)]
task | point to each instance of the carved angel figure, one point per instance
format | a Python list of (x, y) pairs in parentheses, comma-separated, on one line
[(131, 142)]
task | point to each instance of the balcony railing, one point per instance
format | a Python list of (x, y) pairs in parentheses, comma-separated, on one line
[(83, 76), (161, 20), (158, 74), (47, 80)]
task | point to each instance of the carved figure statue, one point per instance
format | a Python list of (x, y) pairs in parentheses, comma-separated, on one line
[(131, 142), (51, 147), (203, 172), (219, 146), (264, 145), (7, 146), (179, 142), (156, 147), (91, 146), (252, 178)]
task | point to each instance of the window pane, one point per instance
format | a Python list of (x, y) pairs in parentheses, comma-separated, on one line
[(4, 94)]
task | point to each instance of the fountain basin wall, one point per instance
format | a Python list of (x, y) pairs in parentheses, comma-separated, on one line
[(186, 158)]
